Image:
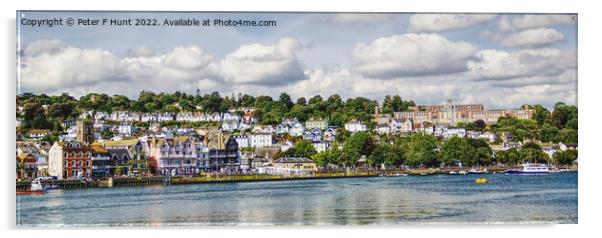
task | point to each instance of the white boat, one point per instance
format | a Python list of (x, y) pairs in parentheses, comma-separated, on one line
[(530, 169)]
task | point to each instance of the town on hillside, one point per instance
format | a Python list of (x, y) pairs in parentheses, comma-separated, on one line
[(99, 136)]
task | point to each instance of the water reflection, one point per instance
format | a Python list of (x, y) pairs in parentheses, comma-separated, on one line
[(380, 200)]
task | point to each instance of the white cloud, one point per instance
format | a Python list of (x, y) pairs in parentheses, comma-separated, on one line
[(43, 46), (68, 66), (443, 22), (493, 64), (187, 58), (411, 55), (536, 21), (532, 37), (260, 64), (52, 66)]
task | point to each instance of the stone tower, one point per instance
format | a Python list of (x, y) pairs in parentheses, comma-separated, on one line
[(85, 131)]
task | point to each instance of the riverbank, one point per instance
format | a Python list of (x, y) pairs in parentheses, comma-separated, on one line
[(180, 180)]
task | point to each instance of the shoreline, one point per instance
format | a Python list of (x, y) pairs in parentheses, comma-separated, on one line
[(180, 180)]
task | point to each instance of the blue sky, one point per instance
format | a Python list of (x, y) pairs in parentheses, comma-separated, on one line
[(498, 60)]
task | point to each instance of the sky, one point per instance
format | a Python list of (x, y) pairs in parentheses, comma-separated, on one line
[(499, 60)]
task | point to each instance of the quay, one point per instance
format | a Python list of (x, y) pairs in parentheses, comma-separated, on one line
[(213, 178)]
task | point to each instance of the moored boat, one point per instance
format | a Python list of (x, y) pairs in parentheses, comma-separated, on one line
[(528, 168), (36, 188), (476, 171)]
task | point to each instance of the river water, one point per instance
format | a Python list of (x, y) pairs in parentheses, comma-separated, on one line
[(355, 201)]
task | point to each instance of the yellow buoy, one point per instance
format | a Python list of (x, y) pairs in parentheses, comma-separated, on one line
[(481, 180)]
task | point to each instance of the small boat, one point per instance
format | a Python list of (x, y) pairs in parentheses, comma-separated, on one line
[(481, 180), (453, 172), (530, 169), (475, 171), (35, 189), (462, 172)]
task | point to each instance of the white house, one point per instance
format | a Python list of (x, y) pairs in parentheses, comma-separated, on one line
[(320, 146), (230, 125), (355, 126), (125, 129), (260, 140), (242, 141)]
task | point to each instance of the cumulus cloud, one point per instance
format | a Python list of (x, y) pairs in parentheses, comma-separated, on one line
[(50, 65), (187, 58), (50, 46), (410, 55), (261, 64), (537, 21), (443, 22), (532, 38), (54, 68), (494, 64)]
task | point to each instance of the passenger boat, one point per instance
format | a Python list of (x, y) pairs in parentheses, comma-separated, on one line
[(35, 189), (530, 169)]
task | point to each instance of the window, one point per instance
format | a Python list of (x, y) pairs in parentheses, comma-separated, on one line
[(81, 154), (73, 154), (88, 163), (73, 163), (66, 154), (65, 164), (88, 154)]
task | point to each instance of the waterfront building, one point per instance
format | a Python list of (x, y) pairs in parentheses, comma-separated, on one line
[(202, 156), (292, 165), (119, 164), (70, 160), (26, 165), (101, 162), (223, 152), (175, 156), (138, 153)]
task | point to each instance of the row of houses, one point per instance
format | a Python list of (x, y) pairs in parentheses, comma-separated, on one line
[(127, 116)]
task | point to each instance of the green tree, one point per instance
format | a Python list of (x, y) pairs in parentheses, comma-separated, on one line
[(456, 149), (532, 152), (360, 143), (548, 133), (303, 148), (565, 157), (421, 150), (286, 100), (541, 114)]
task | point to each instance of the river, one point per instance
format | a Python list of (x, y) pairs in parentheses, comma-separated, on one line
[(354, 201)]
